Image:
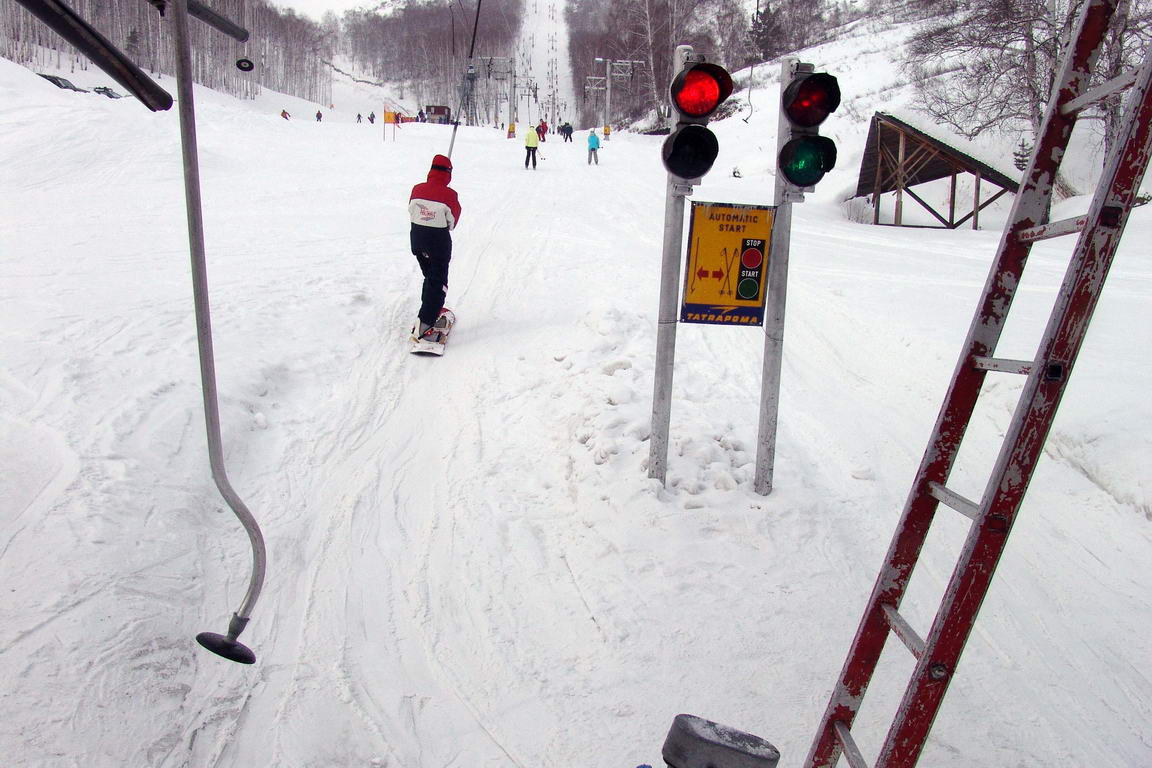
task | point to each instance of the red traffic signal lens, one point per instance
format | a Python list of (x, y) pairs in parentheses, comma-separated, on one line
[(699, 94), (808, 100), (689, 151), (805, 160), (698, 90)]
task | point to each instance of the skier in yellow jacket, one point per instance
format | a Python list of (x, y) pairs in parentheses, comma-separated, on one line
[(531, 142)]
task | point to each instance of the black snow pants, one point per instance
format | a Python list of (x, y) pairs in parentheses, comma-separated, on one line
[(432, 247)]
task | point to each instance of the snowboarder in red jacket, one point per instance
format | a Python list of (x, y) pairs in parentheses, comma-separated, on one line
[(434, 211)]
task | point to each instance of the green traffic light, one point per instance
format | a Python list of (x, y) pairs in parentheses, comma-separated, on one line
[(805, 159)]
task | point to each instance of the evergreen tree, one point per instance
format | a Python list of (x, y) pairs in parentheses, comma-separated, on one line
[(132, 43), (767, 33), (1022, 155)]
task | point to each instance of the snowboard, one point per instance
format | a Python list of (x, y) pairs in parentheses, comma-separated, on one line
[(434, 341)]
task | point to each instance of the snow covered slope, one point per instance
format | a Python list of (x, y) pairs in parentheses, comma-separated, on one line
[(468, 563)]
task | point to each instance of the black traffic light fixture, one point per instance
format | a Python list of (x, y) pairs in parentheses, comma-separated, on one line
[(697, 91), (804, 155)]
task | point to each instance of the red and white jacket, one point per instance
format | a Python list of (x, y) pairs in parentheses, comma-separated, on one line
[(433, 203)]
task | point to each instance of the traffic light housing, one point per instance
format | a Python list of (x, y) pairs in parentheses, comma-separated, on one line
[(697, 91), (804, 155)]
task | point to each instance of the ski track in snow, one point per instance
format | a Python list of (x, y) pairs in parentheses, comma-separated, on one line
[(468, 565)]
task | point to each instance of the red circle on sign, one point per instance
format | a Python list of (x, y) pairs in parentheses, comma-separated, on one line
[(752, 258)]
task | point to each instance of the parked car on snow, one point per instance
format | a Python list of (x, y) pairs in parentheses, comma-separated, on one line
[(60, 82)]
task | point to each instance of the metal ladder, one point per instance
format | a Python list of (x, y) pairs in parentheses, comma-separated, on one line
[(992, 516)]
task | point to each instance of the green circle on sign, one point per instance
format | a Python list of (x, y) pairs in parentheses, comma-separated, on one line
[(748, 288)]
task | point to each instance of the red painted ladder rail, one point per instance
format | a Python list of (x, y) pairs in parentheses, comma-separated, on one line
[(992, 516)]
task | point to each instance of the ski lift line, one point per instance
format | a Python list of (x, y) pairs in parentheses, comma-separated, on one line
[(466, 97), (215, 20), (82, 36), (223, 645), (209, 17)]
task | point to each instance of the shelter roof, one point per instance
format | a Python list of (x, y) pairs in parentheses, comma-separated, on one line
[(941, 157)]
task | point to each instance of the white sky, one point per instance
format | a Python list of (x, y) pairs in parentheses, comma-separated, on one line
[(316, 8)]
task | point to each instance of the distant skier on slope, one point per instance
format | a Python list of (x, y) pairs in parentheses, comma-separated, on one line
[(531, 144), (434, 210), (593, 147)]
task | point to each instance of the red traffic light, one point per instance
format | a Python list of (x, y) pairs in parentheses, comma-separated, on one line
[(699, 89), (809, 99)]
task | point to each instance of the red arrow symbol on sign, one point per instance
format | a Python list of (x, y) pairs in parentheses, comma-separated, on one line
[(718, 273), (702, 273)]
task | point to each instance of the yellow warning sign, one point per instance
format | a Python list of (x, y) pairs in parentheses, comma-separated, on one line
[(726, 275)]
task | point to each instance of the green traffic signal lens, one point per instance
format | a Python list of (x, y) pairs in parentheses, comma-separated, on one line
[(805, 160)]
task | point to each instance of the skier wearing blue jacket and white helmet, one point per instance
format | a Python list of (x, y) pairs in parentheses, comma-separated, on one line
[(593, 146)]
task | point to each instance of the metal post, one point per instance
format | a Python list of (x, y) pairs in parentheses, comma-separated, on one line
[(668, 314), (775, 304), (608, 94), (666, 328), (204, 332)]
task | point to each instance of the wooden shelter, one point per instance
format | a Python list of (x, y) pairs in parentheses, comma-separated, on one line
[(438, 114), (900, 156)]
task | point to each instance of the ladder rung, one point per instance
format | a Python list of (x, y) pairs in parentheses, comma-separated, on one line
[(954, 500), (1052, 229), (848, 744), (904, 630), (1003, 365), (1100, 92)]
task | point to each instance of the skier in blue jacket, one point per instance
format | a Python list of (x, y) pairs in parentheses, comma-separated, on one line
[(593, 146)]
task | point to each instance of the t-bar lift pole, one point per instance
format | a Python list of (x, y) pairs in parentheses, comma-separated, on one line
[(224, 645)]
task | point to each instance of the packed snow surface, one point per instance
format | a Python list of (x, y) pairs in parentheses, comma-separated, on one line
[(468, 565)]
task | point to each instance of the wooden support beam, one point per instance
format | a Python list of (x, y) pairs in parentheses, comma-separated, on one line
[(983, 205), (952, 203), (900, 181), (976, 204), (926, 207)]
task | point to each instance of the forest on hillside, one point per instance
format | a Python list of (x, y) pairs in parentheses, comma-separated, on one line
[(417, 48), (289, 50), (646, 32), (421, 49), (977, 64)]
